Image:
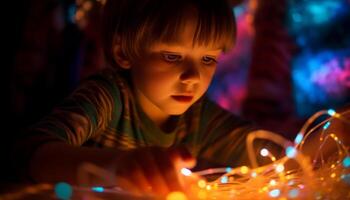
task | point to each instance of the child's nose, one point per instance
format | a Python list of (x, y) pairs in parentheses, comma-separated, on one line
[(190, 75)]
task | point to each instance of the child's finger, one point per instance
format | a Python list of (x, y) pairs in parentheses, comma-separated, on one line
[(152, 173), (182, 157), (127, 185), (138, 178), (168, 170)]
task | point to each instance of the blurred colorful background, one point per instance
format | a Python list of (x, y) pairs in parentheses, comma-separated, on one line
[(291, 59)]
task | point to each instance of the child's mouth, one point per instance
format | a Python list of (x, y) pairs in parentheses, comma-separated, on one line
[(183, 99)]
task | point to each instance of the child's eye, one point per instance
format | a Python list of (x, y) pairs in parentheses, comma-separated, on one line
[(207, 60), (171, 57)]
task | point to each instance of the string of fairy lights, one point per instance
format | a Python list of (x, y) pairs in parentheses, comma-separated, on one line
[(313, 178), (293, 176)]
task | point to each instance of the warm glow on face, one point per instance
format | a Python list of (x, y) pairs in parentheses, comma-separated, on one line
[(171, 77)]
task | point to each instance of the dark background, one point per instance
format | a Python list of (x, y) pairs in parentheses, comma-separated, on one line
[(47, 53)]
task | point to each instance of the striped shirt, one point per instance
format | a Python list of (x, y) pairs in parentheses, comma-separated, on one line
[(102, 112)]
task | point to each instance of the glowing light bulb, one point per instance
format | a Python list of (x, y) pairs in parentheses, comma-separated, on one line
[(326, 125), (333, 175), (254, 174), (63, 190), (265, 188), (273, 182), (346, 178), (346, 162), (291, 152), (274, 193), (279, 168), (186, 172), (228, 169), (298, 138), (208, 187), (97, 189), (293, 193), (331, 112), (176, 196), (224, 179), (202, 183), (264, 152), (244, 169)]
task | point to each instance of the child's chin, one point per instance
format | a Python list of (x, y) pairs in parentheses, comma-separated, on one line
[(178, 111)]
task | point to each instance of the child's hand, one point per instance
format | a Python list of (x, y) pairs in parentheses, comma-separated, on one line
[(153, 170)]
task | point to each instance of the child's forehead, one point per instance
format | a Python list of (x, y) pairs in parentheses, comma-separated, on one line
[(185, 38), (180, 47)]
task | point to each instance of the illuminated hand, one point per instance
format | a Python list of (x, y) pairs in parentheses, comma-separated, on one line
[(153, 170)]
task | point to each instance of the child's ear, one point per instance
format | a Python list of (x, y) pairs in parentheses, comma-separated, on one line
[(120, 57)]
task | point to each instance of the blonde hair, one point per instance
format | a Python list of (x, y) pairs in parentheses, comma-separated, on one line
[(141, 23)]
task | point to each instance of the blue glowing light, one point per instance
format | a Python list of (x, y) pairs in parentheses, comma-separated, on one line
[(326, 125), (63, 191), (275, 193), (240, 10), (97, 189), (71, 12), (314, 13), (298, 138), (331, 112), (346, 162), (228, 169), (186, 172), (320, 13), (291, 152), (293, 193), (224, 179), (297, 17), (345, 178), (319, 80)]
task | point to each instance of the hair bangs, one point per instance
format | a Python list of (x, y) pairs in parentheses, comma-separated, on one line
[(165, 25), (140, 24), (216, 26), (214, 20)]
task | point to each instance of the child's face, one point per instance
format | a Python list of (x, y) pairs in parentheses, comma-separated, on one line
[(169, 78)]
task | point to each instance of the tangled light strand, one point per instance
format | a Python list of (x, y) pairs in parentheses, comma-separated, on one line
[(310, 179), (294, 176)]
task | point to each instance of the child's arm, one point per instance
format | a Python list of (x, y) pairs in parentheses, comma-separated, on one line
[(143, 170), (57, 161), (52, 151)]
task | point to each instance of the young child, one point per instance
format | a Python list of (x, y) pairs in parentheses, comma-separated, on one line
[(146, 115)]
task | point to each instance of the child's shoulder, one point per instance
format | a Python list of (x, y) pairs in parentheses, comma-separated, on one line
[(110, 76), (106, 73)]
